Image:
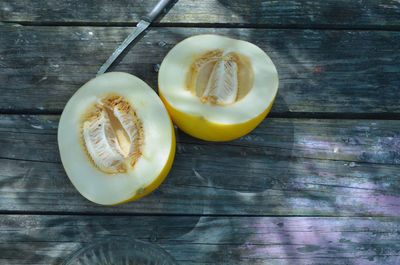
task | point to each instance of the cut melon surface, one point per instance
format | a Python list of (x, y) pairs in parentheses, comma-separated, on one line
[(217, 88), (116, 139)]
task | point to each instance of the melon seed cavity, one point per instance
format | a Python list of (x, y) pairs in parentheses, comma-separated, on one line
[(112, 135), (220, 78)]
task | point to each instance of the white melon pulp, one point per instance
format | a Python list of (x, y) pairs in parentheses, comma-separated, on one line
[(217, 88), (112, 134), (116, 139)]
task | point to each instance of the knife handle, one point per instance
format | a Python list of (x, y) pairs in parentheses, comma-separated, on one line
[(160, 6)]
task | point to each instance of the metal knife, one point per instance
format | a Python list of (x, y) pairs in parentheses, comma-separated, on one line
[(140, 27)]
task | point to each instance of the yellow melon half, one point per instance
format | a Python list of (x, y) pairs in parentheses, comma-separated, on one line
[(116, 139), (216, 88)]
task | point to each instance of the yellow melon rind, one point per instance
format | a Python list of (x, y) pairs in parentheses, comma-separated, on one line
[(209, 131), (208, 121), (157, 150)]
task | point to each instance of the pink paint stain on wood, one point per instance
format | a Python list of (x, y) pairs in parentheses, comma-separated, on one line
[(300, 231), (318, 69), (309, 238), (379, 204), (386, 204)]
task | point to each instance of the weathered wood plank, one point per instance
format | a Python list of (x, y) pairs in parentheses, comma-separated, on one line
[(320, 71), (284, 167), (283, 13), (205, 240), (33, 137)]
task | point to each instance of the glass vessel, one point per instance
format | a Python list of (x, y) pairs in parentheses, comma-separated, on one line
[(120, 252)]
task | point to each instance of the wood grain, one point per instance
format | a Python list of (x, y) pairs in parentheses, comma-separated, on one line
[(323, 71), (32, 239), (336, 59), (284, 167), (283, 13)]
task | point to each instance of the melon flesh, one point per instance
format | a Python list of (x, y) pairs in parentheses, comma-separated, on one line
[(217, 88), (116, 139)]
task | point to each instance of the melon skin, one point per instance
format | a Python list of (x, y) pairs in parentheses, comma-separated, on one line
[(215, 122), (205, 130)]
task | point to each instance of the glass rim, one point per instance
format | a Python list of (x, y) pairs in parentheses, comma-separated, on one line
[(132, 241)]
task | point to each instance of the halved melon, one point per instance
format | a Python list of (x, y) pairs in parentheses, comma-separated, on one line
[(217, 88), (116, 139)]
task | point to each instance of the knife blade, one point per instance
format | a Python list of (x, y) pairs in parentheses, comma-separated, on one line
[(141, 26)]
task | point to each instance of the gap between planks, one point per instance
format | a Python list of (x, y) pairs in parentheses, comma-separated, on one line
[(279, 115), (143, 214), (224, 143), (205, 25)]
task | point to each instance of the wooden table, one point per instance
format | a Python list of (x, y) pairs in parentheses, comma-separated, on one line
[(316, 183)]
